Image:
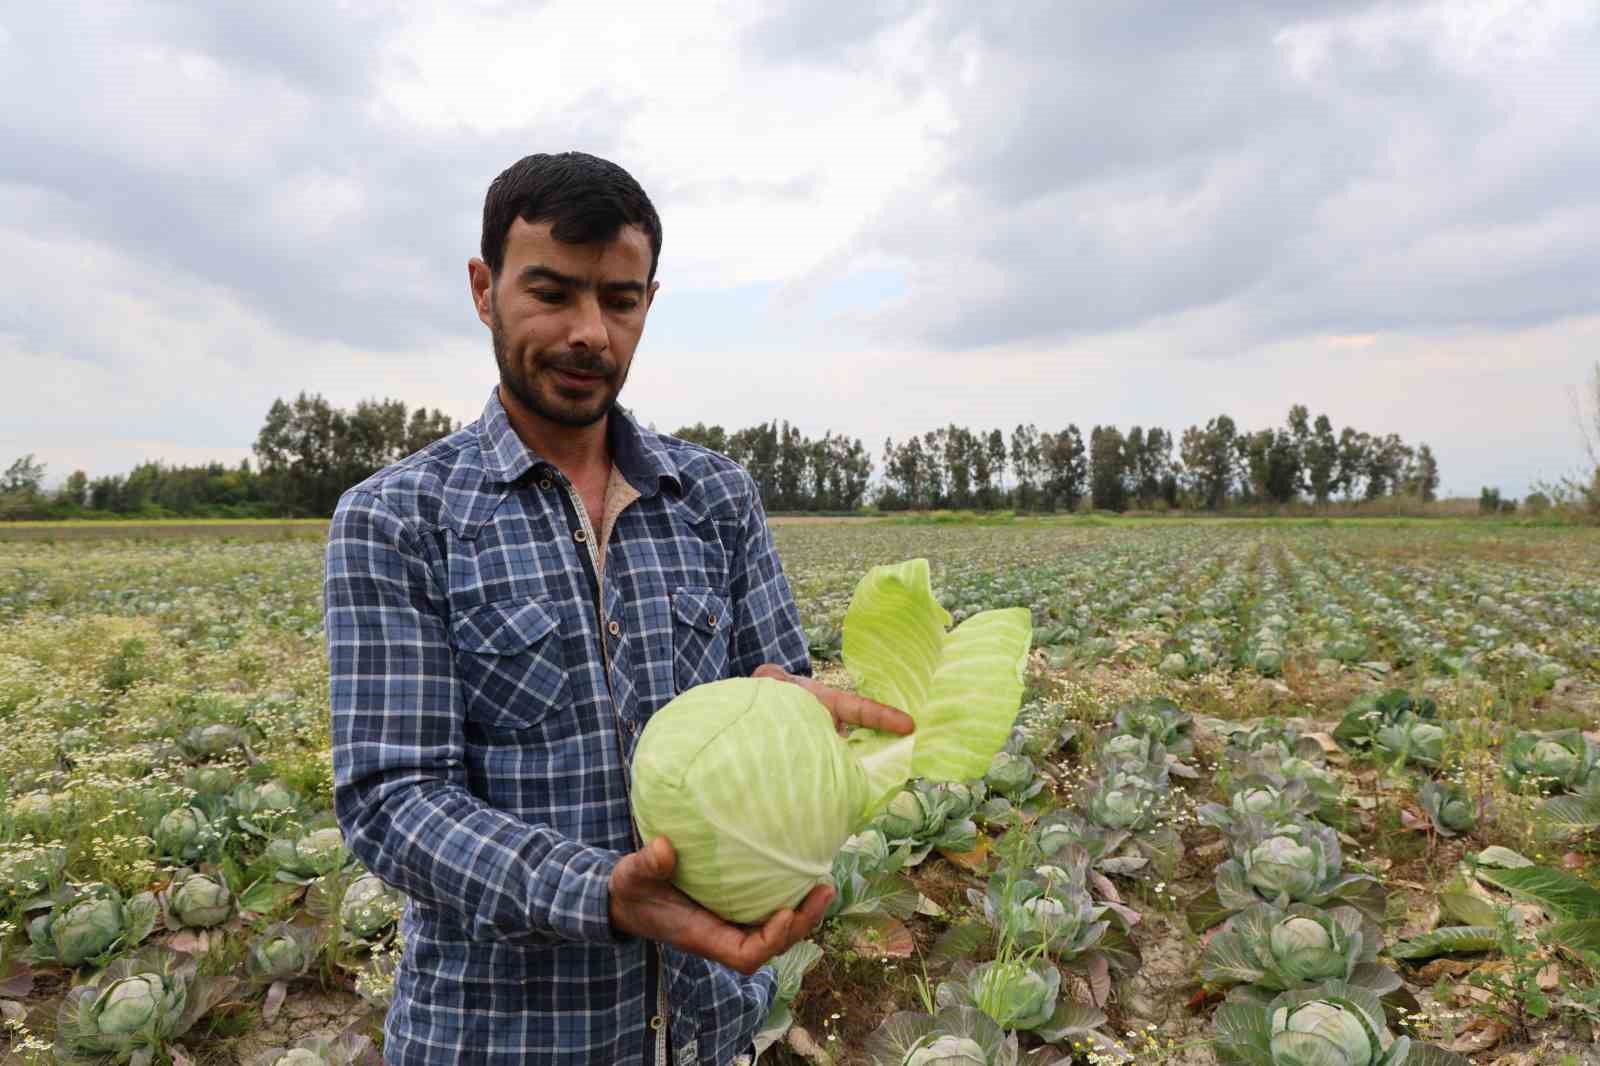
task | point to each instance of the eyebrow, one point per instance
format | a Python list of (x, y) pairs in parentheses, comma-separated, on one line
[(537, 272)]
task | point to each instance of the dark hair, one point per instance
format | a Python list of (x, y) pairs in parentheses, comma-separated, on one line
[(587, 199)]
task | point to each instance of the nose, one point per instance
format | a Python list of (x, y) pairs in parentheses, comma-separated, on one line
[(588, 326)]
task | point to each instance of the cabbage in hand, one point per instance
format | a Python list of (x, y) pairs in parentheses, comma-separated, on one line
[(755, 789)]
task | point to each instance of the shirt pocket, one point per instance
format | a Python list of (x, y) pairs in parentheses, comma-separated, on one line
[(510, 664), (700, 625)]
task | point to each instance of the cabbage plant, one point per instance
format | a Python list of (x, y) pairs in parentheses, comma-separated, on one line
[(955, 1036), (209, 741), (258, 809), (1159, 719), (1370, 713), (1411, 740), (1448, 807), (90, 923), (129, 1012), (1290, 862), (196, 901), (368, 909), (301, 860), (932, 814), (750, 781), (1279, 949), (1014, 777), (1017, 993), (1049, 908), (1269, 797), (184, 834), (280, 951), (866, 875), (1551, 761), (1122, 800), (1331, 1024)]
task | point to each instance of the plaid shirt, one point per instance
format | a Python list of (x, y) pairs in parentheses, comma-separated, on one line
[(487, 696)]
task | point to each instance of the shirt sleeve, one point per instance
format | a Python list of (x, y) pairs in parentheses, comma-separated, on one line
[(766, 621), (399, 778)]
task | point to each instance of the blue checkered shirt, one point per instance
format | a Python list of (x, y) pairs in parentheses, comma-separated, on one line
[(486, 701)]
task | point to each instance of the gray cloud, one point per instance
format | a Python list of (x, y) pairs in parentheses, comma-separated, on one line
[(229, 190), (1113, 165)]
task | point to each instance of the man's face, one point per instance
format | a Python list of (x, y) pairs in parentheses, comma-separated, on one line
[(565, 319)]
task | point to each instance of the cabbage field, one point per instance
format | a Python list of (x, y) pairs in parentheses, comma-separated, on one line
[(1280, 794)]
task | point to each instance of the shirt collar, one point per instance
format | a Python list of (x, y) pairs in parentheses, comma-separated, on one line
[(637, 452)]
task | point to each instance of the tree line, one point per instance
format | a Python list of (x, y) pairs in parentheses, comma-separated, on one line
[(308, 451), (1206, 467)]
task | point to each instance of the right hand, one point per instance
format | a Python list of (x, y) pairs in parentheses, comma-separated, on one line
[(645, 903)]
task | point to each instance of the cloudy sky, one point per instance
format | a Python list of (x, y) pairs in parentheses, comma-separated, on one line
[(879, 217)]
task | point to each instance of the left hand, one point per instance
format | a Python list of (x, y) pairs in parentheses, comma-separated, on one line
[(847, 708)]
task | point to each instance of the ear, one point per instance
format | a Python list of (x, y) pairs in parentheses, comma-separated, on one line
[(481, 284), (650, 294)]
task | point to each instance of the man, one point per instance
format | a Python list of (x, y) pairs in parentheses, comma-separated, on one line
[(505, 610)]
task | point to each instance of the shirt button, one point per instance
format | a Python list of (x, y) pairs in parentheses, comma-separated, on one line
[(711, 619), (614, 629), (656, 1021), (546, 484), (580, 536)]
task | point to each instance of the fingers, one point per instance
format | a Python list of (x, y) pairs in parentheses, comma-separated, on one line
[(847, 708), (660, 859), (858, 710), (783, 930)]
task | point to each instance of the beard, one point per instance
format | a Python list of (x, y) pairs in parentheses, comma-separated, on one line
[(535, 385)]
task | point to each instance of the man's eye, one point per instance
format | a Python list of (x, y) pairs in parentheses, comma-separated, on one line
[(549, 296), (624, 305)]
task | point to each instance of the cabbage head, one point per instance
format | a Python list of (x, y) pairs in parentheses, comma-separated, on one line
[(1561, 759), (1292, 863), (1280, 949), (755, 789), (1331, 1024)]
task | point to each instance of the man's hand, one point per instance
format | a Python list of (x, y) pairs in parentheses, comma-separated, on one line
[(847, 708), (645, 904)]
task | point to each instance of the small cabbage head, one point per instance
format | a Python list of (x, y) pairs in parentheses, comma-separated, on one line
[(948, 1051), (1009, 774), (318, 852), (210, 780), (182, 834), (87, 928), (132, 1004), (908, 817), (1310, 947), (1255, 800), (206, 741), (197, 901), (1285, 866), (1122, 801), (1562, 759), (370, 907), (1412, 738), (1323, 1033), (281, 951), (1015, 994)]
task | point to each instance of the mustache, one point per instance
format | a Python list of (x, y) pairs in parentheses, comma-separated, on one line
[(579, 363)]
